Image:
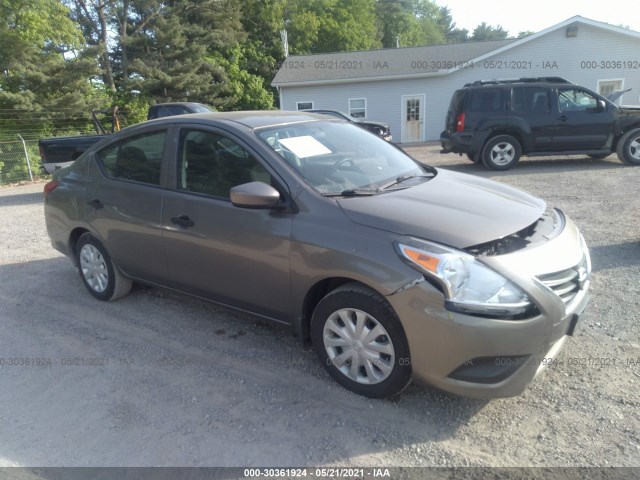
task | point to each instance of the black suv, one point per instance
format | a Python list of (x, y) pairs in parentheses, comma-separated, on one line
[(498, 121)]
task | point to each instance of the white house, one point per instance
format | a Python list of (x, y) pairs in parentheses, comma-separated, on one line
[(410, 88)]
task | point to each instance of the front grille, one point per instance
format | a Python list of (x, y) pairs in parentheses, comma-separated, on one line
[(567, 283)]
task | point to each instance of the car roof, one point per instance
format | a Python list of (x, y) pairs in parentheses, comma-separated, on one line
[(519, 81), (248, 118)]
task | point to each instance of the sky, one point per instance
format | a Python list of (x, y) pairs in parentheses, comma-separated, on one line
[(518, 16)]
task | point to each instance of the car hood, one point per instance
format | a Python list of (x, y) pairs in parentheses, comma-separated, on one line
[(616, 94), (374, 124), (454, 209)]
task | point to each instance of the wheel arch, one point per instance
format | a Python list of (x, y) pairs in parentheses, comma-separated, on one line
[(617, 138), (74, 236), (313, 296), (515, 133)]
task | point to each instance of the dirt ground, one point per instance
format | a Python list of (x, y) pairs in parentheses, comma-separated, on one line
[(159, 379)]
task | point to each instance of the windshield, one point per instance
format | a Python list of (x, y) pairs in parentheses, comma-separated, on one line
[(338, 158)]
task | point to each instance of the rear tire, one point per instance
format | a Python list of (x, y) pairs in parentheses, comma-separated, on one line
[(471, 157), (501, 152), (98, 272), (360, 341), (628, 148)]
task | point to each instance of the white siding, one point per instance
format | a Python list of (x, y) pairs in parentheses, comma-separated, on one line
[(552, 54)]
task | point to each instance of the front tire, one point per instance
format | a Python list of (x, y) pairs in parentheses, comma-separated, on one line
[(98, 272), (628, 148), (501, 152), (360, 341)]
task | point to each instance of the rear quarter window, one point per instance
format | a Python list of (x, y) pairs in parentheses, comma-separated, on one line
[(486, 100), (456, 102)]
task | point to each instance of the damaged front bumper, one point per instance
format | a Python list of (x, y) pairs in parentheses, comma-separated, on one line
[(482, 357)]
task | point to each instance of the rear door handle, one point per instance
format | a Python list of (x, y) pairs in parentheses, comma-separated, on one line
[(182, 221), (563, 118), (95, 203)]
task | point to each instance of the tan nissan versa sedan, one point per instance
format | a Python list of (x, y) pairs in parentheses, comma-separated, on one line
[(394, 270)]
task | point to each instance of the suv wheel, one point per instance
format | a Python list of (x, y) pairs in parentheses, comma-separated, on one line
[(628, 148), (501, 152), (471, 157), (360, 341), (98, 272)]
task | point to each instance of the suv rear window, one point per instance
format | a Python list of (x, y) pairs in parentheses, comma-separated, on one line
[(486, 100)]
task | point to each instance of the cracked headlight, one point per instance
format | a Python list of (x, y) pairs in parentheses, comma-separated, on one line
[(469, 285)]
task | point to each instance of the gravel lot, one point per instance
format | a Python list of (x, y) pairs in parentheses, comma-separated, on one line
[(184, 383)]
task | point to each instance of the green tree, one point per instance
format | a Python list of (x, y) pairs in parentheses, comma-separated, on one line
[(261, 53), (408, 23), (244, 90), (451, 33), (331, 25), (169, 58), (38, 70), (92, 17), (484, 32)]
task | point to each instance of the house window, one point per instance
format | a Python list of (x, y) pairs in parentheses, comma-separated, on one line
[(605, 87), (358, 107), (304, 105)]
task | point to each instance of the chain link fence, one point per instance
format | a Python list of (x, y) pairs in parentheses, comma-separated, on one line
[(19, 159), (20, 131)]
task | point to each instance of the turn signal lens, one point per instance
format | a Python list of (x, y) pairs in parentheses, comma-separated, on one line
[(425, 261)]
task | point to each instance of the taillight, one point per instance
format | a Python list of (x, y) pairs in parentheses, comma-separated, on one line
[(42, 156), (50, 187), (460, 123)]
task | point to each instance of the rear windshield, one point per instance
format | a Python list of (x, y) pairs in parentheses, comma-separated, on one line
[(486, 100)]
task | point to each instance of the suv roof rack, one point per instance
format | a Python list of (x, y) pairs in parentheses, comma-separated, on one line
[(479, 83)]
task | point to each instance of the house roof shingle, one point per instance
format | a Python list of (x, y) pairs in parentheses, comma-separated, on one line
[(382, 64), (409, 62)]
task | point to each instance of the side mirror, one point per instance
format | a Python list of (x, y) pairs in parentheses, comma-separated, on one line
[(254, 195), (601, 106)]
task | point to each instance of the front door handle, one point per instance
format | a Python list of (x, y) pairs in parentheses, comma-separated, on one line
[(182, 221), (95, 203), (563, 118)]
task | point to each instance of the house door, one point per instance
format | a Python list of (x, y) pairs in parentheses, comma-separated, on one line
[(413, 118)]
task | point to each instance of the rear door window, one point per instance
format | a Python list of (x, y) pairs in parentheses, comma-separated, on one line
[(137, 158), (530, 100)]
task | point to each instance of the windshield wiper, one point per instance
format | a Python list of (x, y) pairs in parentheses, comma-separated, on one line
[(353, 192), (404, 178)]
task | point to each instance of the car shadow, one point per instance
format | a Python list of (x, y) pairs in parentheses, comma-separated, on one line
[(605, 257), (21, 199), (225, 378), (538, 165)]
